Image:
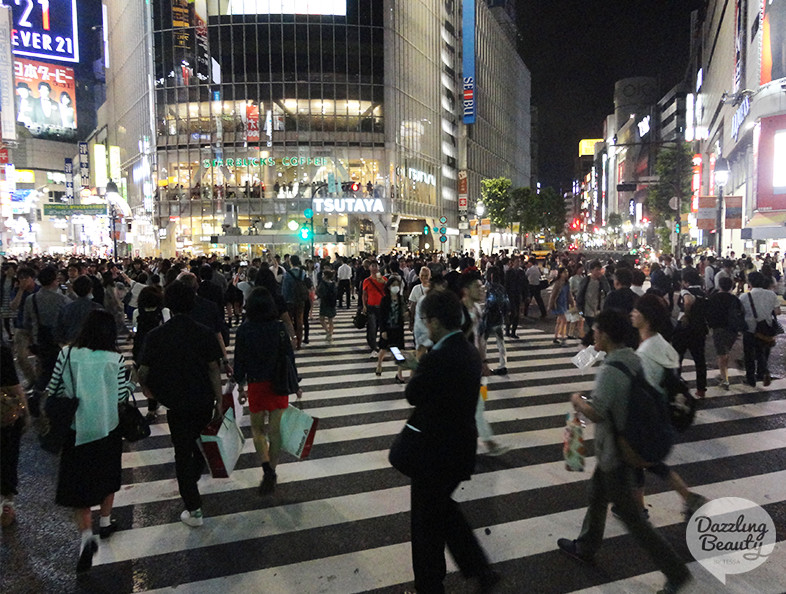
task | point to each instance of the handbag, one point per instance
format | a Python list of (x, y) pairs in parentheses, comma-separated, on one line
[(764, 332), (285, 380), (406, 453), (298, 429), (58, 415), (133, 425), (360, 320), (221, 443), (11, 408)]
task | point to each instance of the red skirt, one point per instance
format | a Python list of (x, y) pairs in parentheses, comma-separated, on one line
[(262, 397)]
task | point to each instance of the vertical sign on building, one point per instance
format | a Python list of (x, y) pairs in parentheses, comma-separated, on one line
[(468, 62), (449, 112), (7, 98), (84, 165), (100, 165), (68, 169), (463, 193), (252, 122), (115, 169)]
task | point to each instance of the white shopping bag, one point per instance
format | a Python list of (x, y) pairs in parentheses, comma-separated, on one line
[(586, 358), (221, 443), (297, 432)]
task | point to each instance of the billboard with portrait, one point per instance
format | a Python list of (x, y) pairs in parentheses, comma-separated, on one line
[(45, 98), (773, 40)]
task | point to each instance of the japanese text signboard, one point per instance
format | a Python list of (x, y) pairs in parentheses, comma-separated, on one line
[(45, 29), (45, 97)]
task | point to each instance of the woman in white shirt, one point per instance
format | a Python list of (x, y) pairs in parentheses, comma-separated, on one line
[(764, 302), (657, 356), (93, 371)]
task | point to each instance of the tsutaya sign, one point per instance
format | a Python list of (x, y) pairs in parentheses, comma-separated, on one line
[(268, 161), (348, 205)]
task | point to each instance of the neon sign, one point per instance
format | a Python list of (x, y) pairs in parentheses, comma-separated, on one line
[(45, 29), (348, 205)]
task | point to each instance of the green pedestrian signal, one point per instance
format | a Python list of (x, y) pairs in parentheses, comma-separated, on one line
[(308, 213), (304, 233), (426, 230), (677, 227)]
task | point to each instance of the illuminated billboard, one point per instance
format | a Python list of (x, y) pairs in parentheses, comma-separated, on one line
[(773, 43), (45, 29), (770, 174), (314, 7), (45, 98), (587, 146)]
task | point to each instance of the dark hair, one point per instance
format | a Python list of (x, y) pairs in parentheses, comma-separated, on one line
[(445, 307), (624, 276), (652, 309), (150, 297), (82, 286), (595, 264), (206, 272), (638, 277), (27, 272), (142, 278), (691, 276), (614, 324), (725, 284), (179, 297), (327, 274), (294, 260), (757, 280), (98, 333), (260, 306), (467, 278)]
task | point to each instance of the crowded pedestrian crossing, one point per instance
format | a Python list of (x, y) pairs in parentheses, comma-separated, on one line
[(338, 521)]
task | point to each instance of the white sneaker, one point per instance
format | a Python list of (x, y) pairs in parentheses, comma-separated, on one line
[(495, 449), (374, 355), (193, 519)]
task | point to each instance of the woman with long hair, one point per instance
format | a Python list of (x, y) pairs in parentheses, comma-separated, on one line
[(658, 357), (93, 371), (257, 343), (560, 301), (391, 323)]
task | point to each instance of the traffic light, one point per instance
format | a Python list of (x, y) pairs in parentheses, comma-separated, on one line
[(426, 230), (350, 187), (677, 227), (304, 233)]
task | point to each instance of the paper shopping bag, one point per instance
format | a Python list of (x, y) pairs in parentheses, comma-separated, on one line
[(221, 443), (573, 443), (297, 432)]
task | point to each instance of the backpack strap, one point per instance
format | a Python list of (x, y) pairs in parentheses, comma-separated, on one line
[(753, 308)]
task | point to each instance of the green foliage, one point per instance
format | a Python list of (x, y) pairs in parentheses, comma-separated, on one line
[(674, 167), (664, 235), (553, 208), (495, 193), (526, 209), (615, 220)]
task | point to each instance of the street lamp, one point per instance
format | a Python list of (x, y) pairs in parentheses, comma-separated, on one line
[(480, 210), (721, 179), (112, 194)]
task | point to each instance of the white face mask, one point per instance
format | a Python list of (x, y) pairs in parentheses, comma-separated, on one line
[(395, 290)]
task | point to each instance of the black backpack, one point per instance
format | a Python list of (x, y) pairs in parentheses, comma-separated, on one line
[(682, 404), (300, 290), (648, 435), (696, 318), (145, 322)]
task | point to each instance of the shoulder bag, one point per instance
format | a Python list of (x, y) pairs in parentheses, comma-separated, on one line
[(764, 332), (11, 408), (58, 415), (133, 425), (285, 380)]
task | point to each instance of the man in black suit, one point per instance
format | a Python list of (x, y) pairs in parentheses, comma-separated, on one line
[(444, 391)]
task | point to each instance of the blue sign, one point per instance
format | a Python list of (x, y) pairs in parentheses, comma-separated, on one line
[(468, 103), (45, 29)]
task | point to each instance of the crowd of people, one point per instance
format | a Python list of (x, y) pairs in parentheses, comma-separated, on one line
[(63, 319)]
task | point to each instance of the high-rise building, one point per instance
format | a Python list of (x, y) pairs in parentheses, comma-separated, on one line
[(236, 117)]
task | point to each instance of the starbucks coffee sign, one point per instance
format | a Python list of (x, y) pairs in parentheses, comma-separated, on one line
[(348, 205)]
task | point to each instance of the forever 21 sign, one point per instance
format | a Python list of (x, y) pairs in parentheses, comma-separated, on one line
[(45, 29)]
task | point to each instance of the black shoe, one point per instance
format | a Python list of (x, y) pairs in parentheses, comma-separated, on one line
[(514, 336), (305, 341), (616, 514), (86, 556), (500, 371), (107, 531), (568, 547), (268, 484)]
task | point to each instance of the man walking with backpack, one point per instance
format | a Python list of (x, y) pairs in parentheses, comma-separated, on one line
[(295, 291), (613, 480), (691, 333)]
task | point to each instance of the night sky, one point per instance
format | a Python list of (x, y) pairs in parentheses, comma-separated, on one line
[(577, 49)]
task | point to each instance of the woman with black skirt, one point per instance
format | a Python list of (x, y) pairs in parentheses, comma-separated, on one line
[(93, 371), (391, 322)]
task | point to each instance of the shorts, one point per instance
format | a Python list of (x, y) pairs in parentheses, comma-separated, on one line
[(261, 397), (723, 339)]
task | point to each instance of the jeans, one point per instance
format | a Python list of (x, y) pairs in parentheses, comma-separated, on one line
[(503, 354), (436, 520), (756, 356), (185, 428), (617, 486), (688, 339), (372, 326)]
